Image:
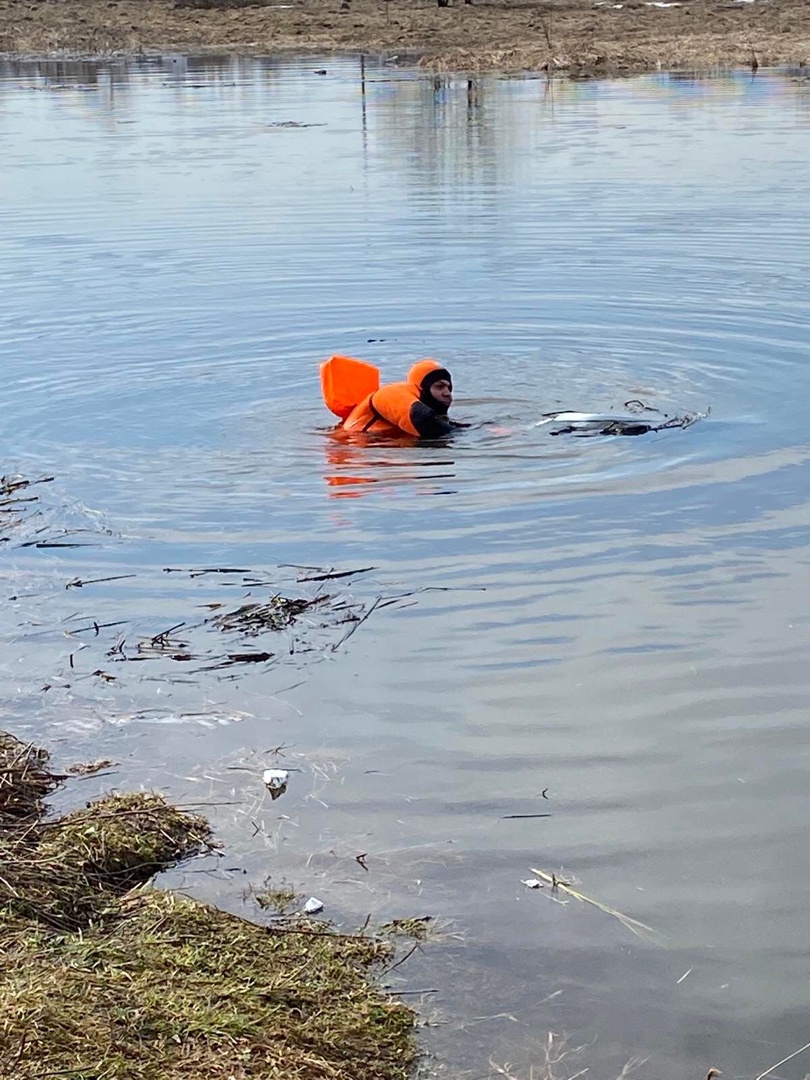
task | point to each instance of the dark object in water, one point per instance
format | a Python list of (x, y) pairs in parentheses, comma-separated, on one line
[(585, 424), (276, 614)]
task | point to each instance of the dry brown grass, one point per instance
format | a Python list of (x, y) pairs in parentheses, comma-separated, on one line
[(171, 988), (100, 980), (573, 36), (25, 781), (68, 873)]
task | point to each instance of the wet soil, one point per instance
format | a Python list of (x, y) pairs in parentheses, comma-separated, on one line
[(587, 37)]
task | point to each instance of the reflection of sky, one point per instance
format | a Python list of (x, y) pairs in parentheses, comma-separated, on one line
[(629, 623), (568, 194), (608, 132), (619, 237)]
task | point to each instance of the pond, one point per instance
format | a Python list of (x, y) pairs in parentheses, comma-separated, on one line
[(619, 623)]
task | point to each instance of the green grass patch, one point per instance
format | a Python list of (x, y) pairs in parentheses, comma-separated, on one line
[(280, 899)]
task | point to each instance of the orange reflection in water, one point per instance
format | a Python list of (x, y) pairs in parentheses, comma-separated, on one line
[(351, 464)]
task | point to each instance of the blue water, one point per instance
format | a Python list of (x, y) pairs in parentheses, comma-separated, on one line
[(620, 621)]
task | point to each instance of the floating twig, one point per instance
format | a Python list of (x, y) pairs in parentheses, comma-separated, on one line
[(333, 575), (78, 583), (784, 1060), (636, 927), (217, 570), (514, 817)]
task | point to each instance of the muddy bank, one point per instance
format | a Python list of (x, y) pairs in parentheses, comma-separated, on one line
[(576, 36)]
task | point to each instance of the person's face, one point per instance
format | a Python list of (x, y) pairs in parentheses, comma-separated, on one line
[(442, 390)]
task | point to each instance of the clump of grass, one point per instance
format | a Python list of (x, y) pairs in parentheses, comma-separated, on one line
[(25, 781), (100, 979), (415, 928), (68, 872), (279, 899)]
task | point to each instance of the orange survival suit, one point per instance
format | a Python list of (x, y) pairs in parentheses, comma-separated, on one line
[(404, 408)]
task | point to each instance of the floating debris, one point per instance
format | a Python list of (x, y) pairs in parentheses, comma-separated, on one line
[(275, 781), (313, 906), (633, 422), (291, 123), (77, 583), (762, 1075), (89, 768), (220, 638), (27, 521), (523, 817), (636, 927), (15, 508), (275, 614), (333, 575)]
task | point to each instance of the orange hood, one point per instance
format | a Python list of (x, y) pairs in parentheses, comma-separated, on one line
[(420, 370)]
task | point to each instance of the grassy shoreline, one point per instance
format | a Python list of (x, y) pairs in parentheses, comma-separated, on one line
[(104, 976), (577, 37)]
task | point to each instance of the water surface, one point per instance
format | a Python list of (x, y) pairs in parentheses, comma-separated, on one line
[(621, 623)]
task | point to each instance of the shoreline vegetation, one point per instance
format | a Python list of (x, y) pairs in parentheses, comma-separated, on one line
[(104, 976), (582, 38)]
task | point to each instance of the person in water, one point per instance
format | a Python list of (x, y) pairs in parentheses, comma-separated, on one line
[(418, 406)]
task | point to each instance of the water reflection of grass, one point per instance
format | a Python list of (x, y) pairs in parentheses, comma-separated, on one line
[(102, 977)]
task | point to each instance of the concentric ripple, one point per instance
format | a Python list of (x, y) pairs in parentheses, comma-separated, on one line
[(619, 622)]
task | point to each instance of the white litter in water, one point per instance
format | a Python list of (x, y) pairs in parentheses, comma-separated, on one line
[(583, 420), (532, 883), (313, 906), (276, 781), (275, 777), (663, 3)]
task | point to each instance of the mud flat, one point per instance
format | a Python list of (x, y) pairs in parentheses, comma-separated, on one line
[(580, 37)]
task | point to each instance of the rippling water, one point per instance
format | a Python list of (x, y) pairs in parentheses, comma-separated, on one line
[(622, 622)]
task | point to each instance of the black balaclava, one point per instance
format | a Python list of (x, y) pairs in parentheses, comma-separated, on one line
[(425, 395)]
